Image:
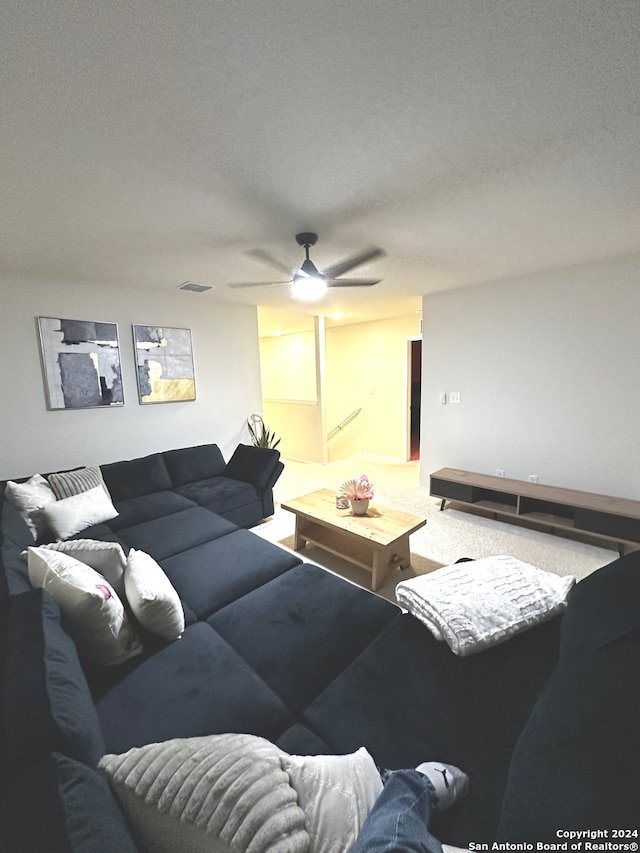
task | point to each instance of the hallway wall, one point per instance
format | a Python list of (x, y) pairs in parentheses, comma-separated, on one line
[(365, 368)]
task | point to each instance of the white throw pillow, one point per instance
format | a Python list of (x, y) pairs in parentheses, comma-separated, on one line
[(107, 558), (71, 515), (92, 612), (152, 597), (336, 793), (29, 498), (220, 794)]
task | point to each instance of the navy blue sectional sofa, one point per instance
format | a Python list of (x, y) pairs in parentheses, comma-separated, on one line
[(545, 724)]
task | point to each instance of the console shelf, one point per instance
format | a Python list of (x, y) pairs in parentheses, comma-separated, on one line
[(614, 520)]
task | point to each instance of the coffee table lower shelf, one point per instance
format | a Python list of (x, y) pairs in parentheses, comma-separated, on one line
[(377, 559)]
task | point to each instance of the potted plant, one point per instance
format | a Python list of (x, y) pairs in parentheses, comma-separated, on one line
[(260, 435), (359, 492)]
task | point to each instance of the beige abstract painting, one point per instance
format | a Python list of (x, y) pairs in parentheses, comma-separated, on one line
[(164, 363)]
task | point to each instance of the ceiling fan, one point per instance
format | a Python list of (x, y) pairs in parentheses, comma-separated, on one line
[(307, 282)]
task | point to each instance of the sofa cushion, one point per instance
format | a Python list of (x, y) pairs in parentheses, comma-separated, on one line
[(465, 711), (4, 584), (172, 534), (135, 511), (101, 531), (219, 494), (213, 574), (194, 463), (603, 608), (224, 793), (585, 720), (92, 610), (153, 600), (16, 537), (136, 477), (61, 804), (255, 465), (47, 705), (202, 685), (306, 626), (298, 739), (246, 516), (576, 763)]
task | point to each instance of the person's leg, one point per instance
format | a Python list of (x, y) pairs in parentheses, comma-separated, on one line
[(399, 819)]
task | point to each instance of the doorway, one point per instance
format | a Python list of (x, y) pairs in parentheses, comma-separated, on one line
[(414, 374)]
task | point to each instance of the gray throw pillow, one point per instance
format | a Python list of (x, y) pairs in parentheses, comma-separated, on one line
[(219, 793), (65, 484)]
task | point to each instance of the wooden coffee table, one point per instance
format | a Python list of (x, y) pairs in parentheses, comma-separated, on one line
[(376, 541)]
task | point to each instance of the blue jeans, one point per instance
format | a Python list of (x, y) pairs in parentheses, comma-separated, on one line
[(399, 819)]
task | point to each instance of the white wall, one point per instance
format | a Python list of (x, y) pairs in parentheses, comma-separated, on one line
[(548, 368), (227, 368)]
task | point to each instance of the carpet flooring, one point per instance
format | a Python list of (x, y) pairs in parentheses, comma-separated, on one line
[(448, 535)]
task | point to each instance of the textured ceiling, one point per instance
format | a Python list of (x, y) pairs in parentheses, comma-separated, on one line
[(145, 143)]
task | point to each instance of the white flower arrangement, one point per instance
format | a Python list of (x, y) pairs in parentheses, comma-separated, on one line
[(357, 489)]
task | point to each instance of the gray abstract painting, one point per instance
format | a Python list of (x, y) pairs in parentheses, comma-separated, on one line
[(81, 362), (164, 362)]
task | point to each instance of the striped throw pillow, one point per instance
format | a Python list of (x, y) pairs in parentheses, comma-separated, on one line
[(66, 484)]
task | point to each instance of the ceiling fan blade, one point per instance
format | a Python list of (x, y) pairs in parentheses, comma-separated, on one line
[(255, 283), (339, 269), (353, 282), (261, 255)]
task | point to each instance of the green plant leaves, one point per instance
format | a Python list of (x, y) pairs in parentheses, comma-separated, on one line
[(262, 437)]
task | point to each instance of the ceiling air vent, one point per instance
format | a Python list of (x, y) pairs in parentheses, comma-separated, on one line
[(193, 285)]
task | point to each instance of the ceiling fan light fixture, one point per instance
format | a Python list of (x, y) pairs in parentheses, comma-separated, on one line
[(307, 287), (307, 282), (310, 269)]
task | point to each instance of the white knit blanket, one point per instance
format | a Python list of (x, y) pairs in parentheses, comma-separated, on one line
[(475, 605)]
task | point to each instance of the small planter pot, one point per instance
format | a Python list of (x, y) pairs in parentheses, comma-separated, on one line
[(360, 507)]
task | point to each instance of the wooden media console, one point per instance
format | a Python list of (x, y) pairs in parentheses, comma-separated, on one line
[(615, 520)]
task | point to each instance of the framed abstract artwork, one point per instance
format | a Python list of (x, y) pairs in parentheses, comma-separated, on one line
[(164, 364), (81, 363)]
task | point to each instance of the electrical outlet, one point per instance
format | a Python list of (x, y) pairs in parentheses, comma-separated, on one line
[(454, 396), (533, 478), (499, 472)]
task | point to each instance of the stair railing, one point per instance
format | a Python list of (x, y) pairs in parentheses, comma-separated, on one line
[(343, 423)]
